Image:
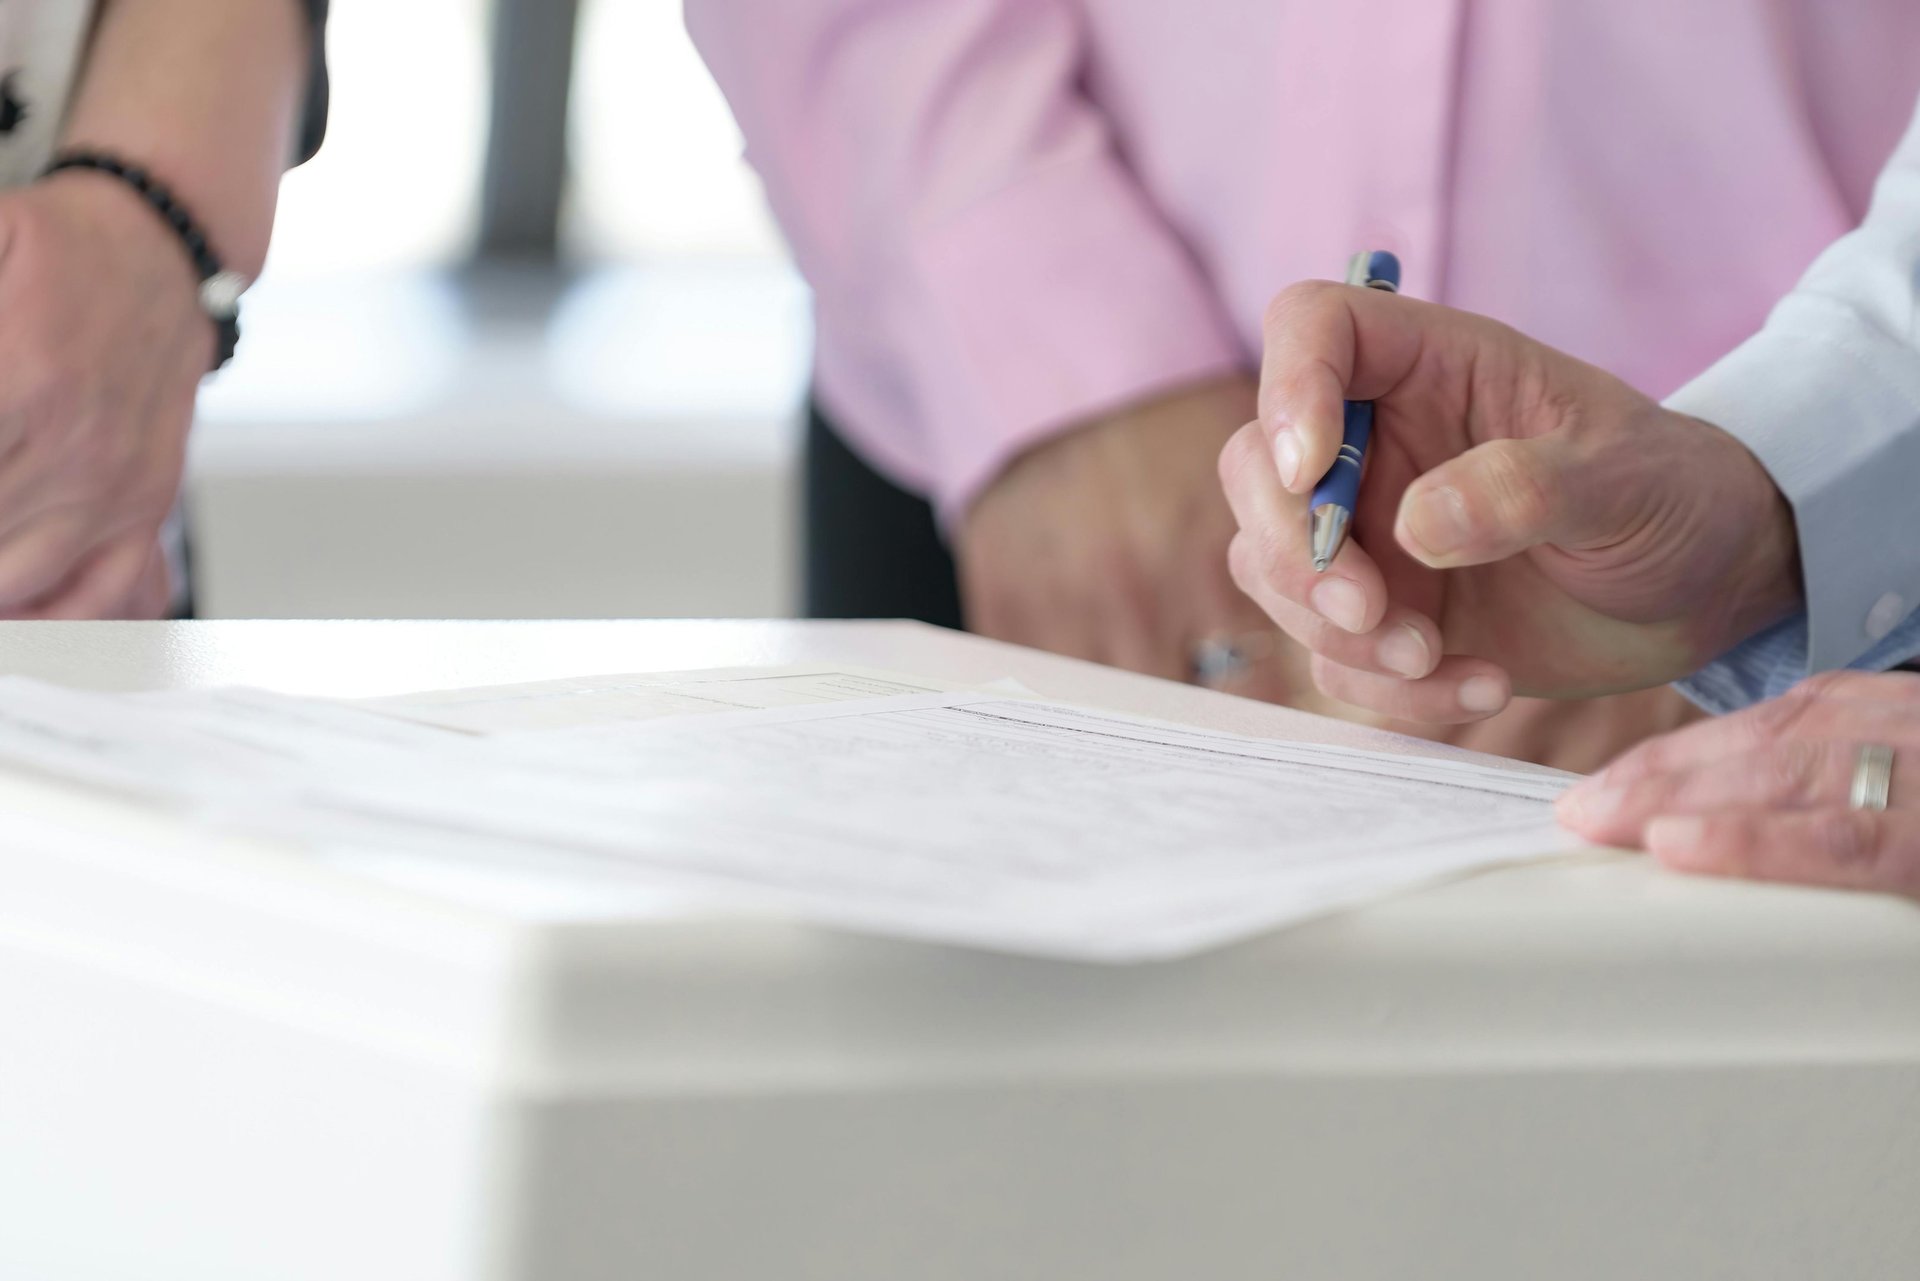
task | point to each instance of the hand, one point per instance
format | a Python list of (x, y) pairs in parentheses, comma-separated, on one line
[(1110, 542), (102, 348), (1764, 792), (1528, 523)]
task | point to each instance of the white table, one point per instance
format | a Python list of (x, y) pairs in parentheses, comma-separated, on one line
[(218, 1062)]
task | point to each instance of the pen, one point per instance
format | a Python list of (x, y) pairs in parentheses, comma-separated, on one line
[(1334, 497)]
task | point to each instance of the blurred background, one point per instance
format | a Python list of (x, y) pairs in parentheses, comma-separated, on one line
[(527, 344)]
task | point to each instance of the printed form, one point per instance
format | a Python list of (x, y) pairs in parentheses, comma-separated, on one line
[(962, 817), (640, 696)]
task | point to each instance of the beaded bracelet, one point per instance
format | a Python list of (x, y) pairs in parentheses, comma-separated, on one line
[(220, 289)]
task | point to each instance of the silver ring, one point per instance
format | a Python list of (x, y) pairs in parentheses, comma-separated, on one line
[(1218, 661), (1872, 777)]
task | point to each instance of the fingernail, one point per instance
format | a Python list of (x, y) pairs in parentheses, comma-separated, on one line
[(1590, 806), (1482, 694), (1677, 838), (1286, 456), (1341, 602), (1437, 520), (1404, 650)]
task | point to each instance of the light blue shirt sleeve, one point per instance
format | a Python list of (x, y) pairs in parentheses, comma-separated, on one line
[(1827, 396), (1769, 665)]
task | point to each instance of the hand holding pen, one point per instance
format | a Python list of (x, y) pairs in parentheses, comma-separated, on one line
[(1530, 523), (1332, 505)]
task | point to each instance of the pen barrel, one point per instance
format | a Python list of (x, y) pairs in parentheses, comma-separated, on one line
[(1341, 484)]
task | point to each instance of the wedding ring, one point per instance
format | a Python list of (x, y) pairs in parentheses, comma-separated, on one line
[(1872, 777)]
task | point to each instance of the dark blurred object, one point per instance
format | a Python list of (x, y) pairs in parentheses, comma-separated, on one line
[(313, 127), (873, 550), (13, 111), (526, 169)]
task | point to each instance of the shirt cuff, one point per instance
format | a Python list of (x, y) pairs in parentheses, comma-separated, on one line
[(1831, 408), (1774, 661), (1052, 301)]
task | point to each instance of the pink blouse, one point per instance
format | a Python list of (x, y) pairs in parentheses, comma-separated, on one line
[(1016, 214)]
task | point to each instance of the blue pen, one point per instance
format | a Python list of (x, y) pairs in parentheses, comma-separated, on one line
[(1334, 497)]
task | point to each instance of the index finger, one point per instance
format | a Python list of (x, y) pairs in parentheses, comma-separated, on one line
[(1326, 343)]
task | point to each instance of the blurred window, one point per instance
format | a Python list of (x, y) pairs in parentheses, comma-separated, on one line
[(668, 300), (656, 156), (353, 317), (396, 185), (694, 311)]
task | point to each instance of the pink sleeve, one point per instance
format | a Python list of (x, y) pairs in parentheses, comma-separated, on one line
[(986, 270)]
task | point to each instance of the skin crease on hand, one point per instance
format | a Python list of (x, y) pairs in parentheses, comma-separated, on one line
[(102, 334), (1537, 524), (1110, 543), (1765, 793)]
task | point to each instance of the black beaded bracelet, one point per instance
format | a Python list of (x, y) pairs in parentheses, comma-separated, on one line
[(220, 289)]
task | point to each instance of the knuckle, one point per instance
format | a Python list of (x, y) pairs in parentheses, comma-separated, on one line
[(1280, 311), (1269, 559), (1848, 839), (1253, 557), (1240, 562), (1239, 455), (1330, 678), (1791, 770), (1878, 687), (1821, 685), (1772, 721), (1653, 793), (1298, 299)]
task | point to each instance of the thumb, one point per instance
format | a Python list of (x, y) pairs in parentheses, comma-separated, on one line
[(1494, 501)]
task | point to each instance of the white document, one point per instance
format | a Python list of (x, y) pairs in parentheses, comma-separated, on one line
[(597, 700), (966, 818)]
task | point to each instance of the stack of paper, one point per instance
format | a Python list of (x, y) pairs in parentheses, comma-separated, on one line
[(856, 799)]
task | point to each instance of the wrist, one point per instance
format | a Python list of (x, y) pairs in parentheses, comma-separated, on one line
[(216, 288), (117, 212), (1765, 586), (236, 243)]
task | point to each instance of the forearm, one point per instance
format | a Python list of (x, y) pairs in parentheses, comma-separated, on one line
[(206, 95), (986, 269)]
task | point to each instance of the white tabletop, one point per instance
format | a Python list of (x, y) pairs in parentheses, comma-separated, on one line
[(1579, 1069), (1608, 959)]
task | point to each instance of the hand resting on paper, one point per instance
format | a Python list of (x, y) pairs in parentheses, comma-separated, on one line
[(1766, 792)]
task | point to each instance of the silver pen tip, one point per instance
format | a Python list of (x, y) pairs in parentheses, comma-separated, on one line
[(1326, 533)]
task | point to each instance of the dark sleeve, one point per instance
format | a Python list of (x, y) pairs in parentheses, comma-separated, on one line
[(313, 125)]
